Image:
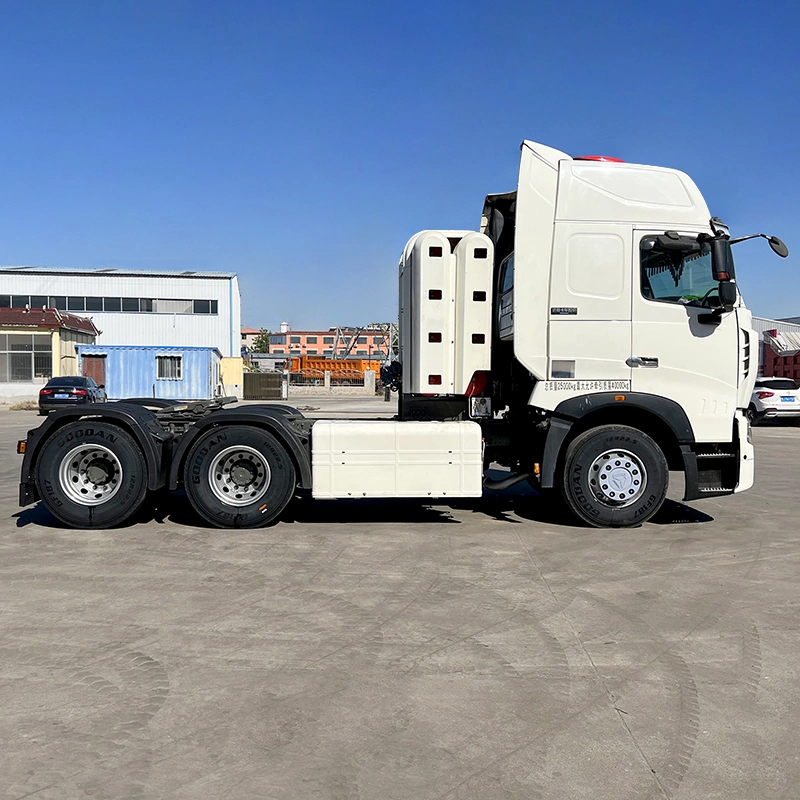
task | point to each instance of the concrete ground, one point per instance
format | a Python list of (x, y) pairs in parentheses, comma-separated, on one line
[(395, 650)]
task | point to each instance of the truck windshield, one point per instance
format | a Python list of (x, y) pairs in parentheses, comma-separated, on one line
[(677, 277)]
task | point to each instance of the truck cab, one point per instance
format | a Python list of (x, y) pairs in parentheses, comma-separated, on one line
[(615, 304)]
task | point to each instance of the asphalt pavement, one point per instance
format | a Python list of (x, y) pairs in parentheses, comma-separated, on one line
[(389, 650)]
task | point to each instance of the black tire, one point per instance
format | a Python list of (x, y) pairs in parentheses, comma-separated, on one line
[(85, 451), (624, 456), (753, 415), (239, 453)]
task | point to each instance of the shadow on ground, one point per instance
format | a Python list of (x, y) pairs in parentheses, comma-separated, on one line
[(513, 506)]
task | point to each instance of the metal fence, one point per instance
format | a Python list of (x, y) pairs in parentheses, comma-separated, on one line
[(308, 378), (350, 377), (262, 385), (314, 377)]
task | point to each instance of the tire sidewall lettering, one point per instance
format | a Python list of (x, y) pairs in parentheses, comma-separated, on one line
[(85, 433)]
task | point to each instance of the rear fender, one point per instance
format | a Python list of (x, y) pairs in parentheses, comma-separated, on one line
[(138, 421), (278, 420)]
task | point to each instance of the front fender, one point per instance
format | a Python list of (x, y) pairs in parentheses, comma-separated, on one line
[(570, 411)]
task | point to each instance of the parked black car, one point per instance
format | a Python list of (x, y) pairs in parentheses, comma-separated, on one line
[(69, 391)]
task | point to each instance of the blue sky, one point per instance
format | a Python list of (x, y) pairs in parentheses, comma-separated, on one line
[(301, 144)]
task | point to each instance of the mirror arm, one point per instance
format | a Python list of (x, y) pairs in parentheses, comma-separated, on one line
[(778, 247), (751, 236)]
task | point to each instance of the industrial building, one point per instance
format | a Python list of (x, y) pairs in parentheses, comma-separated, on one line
[(778, 347), (136, 306), (140, 307), (370, 341)]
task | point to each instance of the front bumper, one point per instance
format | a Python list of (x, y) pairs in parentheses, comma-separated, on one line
[(717, 469)]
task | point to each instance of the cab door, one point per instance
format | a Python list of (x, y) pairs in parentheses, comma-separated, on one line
[(674, 354), (590, 307)]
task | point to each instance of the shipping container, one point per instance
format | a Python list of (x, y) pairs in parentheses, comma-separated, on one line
[(174, 373)]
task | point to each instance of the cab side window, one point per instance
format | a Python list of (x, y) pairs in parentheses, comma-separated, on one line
[(675, 276), (507, 275)]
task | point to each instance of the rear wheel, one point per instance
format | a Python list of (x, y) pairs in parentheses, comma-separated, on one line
[(239, 477), (614, 476), (91, 475)]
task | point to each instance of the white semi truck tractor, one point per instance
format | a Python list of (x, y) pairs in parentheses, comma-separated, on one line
[(589, 337)]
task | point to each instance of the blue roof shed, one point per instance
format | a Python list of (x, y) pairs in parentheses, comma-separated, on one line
[(174, 373)]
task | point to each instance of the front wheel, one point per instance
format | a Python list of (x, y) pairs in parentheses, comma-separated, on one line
[(239, 477), (91, 474), (614, 476)]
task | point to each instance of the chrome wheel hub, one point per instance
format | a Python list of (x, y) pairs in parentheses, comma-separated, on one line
[(617, 478), (90, 475), (239, 476)]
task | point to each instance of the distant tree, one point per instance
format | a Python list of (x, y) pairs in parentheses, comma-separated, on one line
[(261, 342)]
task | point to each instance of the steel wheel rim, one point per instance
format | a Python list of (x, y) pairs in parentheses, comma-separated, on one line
[(239, 476), (90, 474), (617, 478)]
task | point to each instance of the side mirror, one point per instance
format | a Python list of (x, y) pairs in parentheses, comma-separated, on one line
[(778, 246), (727, 295), (101, 386), (721, 260)]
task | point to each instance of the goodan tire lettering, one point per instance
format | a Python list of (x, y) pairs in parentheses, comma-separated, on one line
[(202, 453), (80, 434)]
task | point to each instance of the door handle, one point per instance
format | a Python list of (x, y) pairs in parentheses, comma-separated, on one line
[(642, 361)]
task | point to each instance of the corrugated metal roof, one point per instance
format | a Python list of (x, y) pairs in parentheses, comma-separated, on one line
[(784, 343), (762, 324), (112, 271), (98, 348), (46, 318)]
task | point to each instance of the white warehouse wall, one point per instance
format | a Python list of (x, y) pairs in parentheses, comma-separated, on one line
[(221, 330)]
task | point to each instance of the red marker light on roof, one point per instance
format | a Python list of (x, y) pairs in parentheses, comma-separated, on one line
[(599, 158)]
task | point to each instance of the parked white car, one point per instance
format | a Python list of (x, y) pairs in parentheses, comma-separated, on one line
[(774, 398)]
